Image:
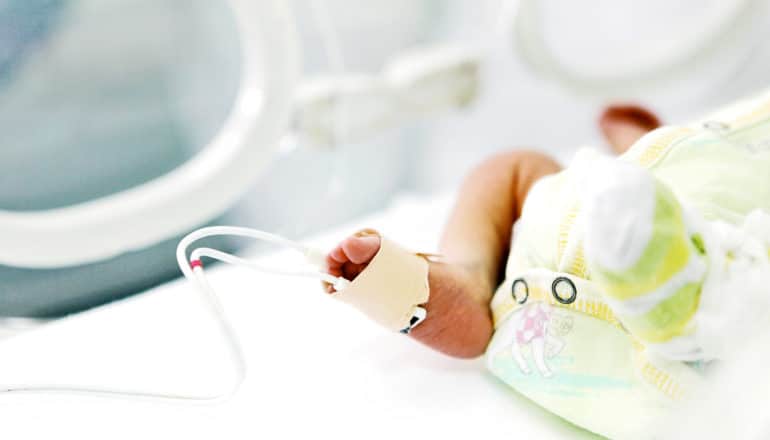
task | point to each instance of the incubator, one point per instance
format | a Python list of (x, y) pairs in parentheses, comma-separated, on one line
[(194, 119), (120, 145)]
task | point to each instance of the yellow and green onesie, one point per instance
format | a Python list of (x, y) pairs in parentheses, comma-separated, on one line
[(628, 276)]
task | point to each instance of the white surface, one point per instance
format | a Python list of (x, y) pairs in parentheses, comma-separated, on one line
[(316, 367)]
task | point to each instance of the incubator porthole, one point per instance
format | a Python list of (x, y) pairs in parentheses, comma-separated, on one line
[(690, 52), (564, 290), (520, 290)]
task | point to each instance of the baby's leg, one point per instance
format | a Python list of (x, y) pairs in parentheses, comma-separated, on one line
[(475, 245)]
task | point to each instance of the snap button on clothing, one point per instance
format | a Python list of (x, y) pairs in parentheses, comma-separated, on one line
[(525, 294), (559, 296)]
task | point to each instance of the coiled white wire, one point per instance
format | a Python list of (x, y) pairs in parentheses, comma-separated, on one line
[(313, 256), (197, 277)]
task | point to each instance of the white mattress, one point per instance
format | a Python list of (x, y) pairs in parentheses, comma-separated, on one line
[(317, 367)]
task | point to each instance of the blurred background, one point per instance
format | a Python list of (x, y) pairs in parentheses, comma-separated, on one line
[(99, 96)]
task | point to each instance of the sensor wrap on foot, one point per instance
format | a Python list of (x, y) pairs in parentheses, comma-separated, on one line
[(392, 287)]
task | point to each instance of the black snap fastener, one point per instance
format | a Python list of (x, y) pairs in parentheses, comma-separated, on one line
[(523, 297), (564, 281)]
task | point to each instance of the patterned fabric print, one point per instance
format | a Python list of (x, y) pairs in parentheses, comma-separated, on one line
[(532, 325), (589, 302), (576, 359)]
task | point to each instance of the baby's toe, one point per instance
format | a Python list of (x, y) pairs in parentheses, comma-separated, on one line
[(337, 255), (350, 258), (361, 250), (334, 267)]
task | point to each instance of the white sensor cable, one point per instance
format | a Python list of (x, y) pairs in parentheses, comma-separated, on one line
[(193, 271), (314, 257)]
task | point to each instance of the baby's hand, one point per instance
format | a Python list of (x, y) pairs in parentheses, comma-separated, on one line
[(351, 257)]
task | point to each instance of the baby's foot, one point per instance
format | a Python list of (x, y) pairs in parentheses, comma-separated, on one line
[(622, 125), (351, 257), (458, 321)]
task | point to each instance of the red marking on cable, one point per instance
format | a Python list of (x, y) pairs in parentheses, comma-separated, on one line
[(196, 263)]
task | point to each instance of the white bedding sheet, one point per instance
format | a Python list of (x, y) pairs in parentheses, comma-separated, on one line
[(317, 368)]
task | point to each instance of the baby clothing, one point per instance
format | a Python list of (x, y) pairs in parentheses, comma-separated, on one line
[(628, 275)]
